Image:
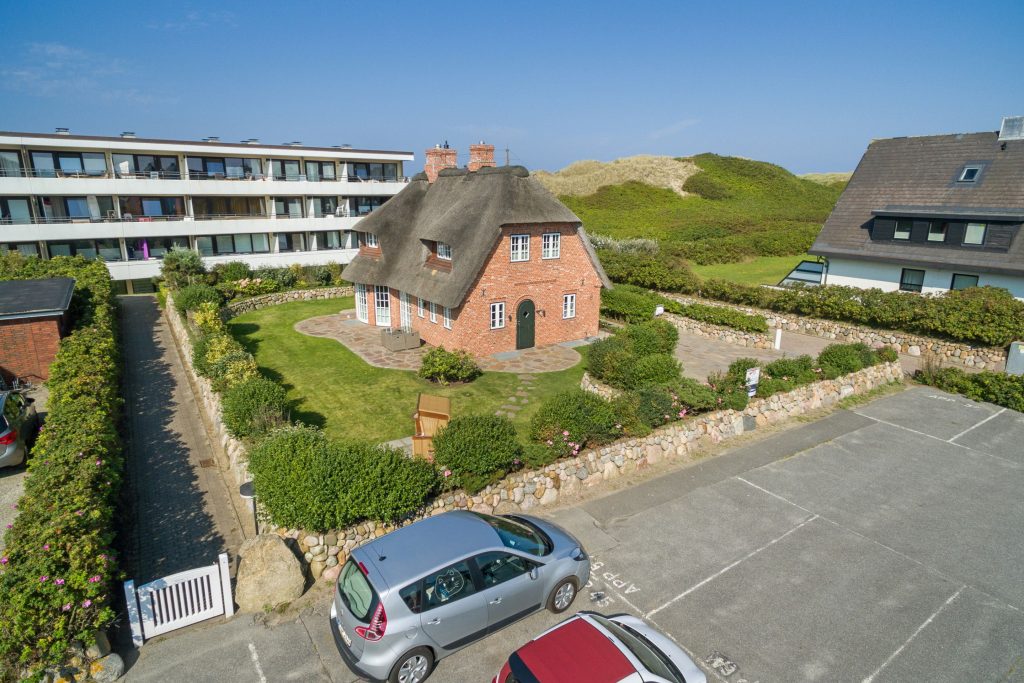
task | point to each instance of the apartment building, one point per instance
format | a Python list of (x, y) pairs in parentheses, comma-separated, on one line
[(127, 200)]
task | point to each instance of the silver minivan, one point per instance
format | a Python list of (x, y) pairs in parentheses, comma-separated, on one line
[(422, 592), (18, 424)]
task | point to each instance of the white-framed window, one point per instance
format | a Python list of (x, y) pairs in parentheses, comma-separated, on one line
[(382, 305), (433, 312), (902, 231), (447, 312), (551, 245), (405, 310), (520, 248), (975, 234), (362, 314), (419, 307), (937, 232), (444, 251), (498, 315), (371, 240), (568, 306)]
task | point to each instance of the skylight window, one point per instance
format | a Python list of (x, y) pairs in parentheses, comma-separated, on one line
[(969, 174)]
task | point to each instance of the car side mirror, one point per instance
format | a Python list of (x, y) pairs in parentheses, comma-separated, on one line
[(534, 573)]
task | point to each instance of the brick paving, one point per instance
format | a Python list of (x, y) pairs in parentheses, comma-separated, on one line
[(364, 341), (181, 513)]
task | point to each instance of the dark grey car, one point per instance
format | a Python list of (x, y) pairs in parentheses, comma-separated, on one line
[(414, 596)]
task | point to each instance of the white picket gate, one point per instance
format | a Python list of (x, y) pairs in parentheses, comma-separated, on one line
[(179, 600)]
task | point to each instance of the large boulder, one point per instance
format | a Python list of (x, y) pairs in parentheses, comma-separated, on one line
[(269, 574)]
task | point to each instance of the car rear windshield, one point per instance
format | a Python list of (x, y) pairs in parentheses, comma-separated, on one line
[(518, 534), (644, 650), (356, 592)]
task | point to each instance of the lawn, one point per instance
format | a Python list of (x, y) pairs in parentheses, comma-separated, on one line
[(336, 390), (764, 270)]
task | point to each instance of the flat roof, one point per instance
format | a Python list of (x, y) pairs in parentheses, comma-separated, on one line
[(121, 140), (35, 298)]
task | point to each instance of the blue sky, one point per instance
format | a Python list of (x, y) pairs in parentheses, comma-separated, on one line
[(803, 84)]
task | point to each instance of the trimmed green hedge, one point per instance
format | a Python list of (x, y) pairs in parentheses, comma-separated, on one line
[(311, 482), (719, 315), (443, 366), (991, 387), (58, 569), (254, 407), (635, 304), (476, 450)]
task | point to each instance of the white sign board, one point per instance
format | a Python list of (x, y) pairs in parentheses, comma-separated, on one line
[(753, 377)]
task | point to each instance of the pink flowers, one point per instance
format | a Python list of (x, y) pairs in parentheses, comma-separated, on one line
[(565, 433), (682, 413), (447, 473), (44, 579), (94, 579), (46, 547), (66, 607), (59, 582), (86, 603), (4, 560), (79, 512), (550, 442), (98, 463)]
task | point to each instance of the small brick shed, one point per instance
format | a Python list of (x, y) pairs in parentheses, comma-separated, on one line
[(33, 318)]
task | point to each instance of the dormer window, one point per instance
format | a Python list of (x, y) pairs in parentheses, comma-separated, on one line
[(975, 234), (444, 251), (969, 174), (902, 231), (371, 240)]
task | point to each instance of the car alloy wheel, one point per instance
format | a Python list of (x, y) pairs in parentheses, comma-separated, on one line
[(564, 595), (413, 670)]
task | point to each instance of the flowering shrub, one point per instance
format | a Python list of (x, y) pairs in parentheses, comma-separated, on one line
[(57, 568), (571, 420), (476, 450), (993, 387)]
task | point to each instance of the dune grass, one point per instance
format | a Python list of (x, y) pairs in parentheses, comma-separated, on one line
[(587, 177), (336, 390)]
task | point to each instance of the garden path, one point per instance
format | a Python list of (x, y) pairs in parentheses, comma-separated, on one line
[(181, 514), (364, 341)]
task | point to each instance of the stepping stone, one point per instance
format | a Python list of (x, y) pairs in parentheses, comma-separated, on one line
[(511, 399), (510, 409), (522, 394)]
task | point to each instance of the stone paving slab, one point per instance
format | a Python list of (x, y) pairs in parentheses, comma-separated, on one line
[(364, 341)]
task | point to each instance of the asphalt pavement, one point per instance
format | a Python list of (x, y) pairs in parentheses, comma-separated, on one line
[(880, 544)]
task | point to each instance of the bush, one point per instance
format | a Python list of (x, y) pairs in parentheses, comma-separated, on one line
[(650, 271), (694, 396), (992, 387), (643, 371), (476, 450), (657, 405), (443, 366), (190, 297), (182, 267), (307, 481), (254, 407), (571, 420), (887, 354), (630, 303), (232, 271), (207, 318), (607, 356), (704, 184), (653, 336), (842, 359), (65, 527), (284, 277)]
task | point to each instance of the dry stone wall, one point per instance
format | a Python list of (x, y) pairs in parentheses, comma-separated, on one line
[(255, 303), (755, 340), (950, 352)]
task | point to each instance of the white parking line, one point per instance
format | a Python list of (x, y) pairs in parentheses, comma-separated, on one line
[(256, 663), (775, 495), (728, 567), (1001, 411), (913, 635), (950, 442)]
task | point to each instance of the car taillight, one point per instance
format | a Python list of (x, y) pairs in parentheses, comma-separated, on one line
[(8, 438), (378, 624)]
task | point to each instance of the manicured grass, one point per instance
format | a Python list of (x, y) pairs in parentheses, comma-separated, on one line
[(765, 270), (335, 389)]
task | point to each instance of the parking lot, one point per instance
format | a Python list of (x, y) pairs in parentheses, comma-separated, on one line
[(880, 544)]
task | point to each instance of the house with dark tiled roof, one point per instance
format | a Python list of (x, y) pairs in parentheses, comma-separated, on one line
[(33, 318), (479, 258), (931, 214)]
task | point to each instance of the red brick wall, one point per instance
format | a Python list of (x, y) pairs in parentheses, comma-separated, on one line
[(27, 347), (544, 281)]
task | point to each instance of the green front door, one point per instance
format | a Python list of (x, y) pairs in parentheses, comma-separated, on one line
[(524, 325)]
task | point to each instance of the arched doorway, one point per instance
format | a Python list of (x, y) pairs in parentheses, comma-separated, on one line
[(524, 325)]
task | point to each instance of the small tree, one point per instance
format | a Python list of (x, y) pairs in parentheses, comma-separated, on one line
[(181, 267)]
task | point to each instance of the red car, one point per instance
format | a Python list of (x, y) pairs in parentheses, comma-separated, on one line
[(599, 649)]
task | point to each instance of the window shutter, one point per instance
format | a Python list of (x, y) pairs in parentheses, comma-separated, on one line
[(919, 233), (883, 228), (999, 236), (955, 233)]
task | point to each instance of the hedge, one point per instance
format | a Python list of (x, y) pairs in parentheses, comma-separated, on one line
[(311, 482), (719, 315), (254, 407), (991, 387), (476, 450), (635, 304), (443, 366), (57, 570), (636, 356)]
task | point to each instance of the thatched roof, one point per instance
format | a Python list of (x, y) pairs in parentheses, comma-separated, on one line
[(463, 209)]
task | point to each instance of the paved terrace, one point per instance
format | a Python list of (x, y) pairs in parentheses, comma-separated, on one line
[(364, 341)]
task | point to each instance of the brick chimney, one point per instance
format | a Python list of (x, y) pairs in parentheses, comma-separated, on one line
[(480, 155), (437, 159)]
